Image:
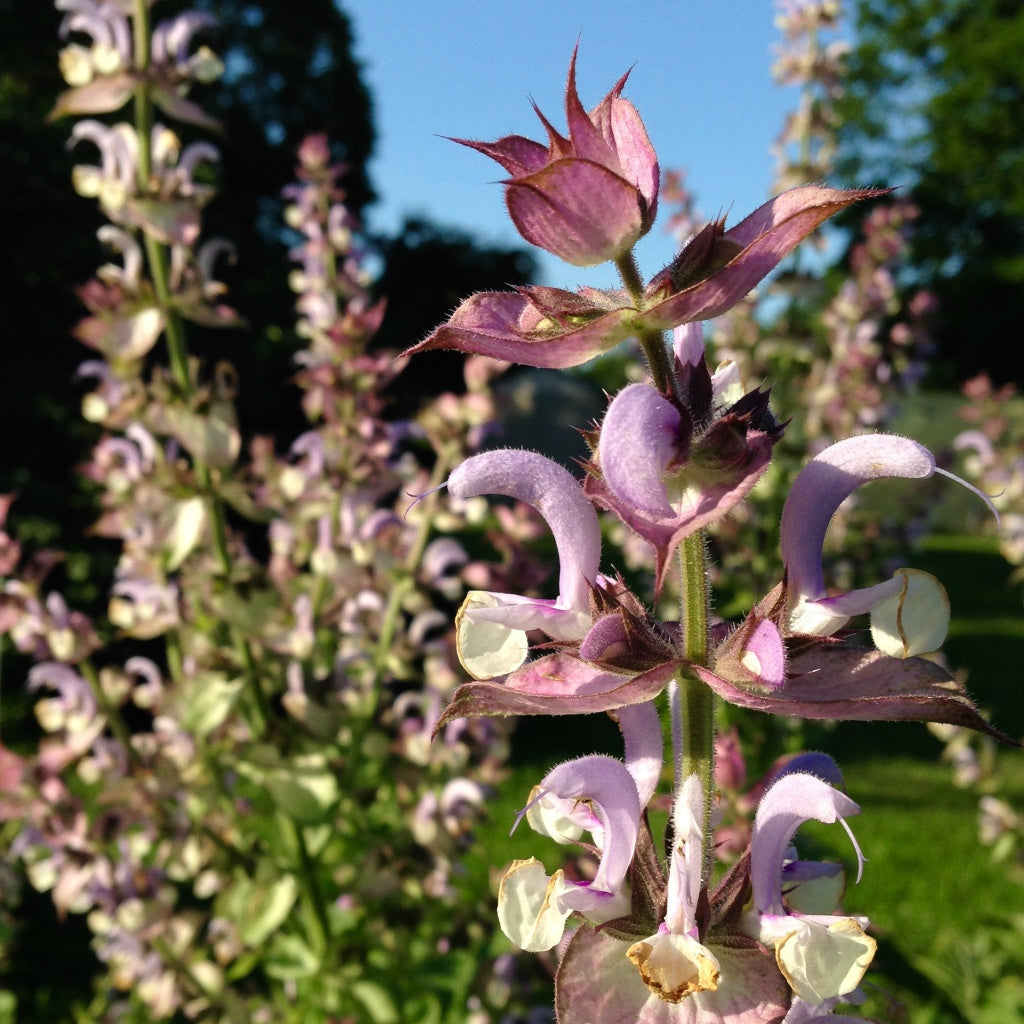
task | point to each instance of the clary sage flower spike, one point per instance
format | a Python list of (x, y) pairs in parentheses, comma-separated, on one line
[(648, 933), (604, 650)]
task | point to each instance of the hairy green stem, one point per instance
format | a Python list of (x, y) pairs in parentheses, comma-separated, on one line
[(143, 103), (155, 252), (629, 271), (174, 331), (697, 703), (693, 703), (652, 342)]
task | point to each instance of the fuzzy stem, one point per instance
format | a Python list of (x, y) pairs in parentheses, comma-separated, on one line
[(143, 103), (652, 342), (155, 252), (697, 703), (174, 332)]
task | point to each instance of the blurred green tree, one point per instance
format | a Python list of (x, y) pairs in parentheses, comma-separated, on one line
[(932, 103)]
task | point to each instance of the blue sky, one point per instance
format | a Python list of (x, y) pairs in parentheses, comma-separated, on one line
[(701, 78)]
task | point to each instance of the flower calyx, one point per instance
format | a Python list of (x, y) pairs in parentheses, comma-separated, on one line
[(625, 637), (668, 468)]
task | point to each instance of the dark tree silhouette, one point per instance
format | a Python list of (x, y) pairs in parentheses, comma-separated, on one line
[(428, 270), (49, 246)]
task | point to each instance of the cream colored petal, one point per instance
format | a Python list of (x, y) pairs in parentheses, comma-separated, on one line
[(487, 649), (915, 619), (553, 816), (528, 906), (824, 958)]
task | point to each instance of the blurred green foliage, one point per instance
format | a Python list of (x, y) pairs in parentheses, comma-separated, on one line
[(932, 103)]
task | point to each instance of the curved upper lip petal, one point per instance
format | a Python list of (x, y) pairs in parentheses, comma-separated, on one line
[(610, 789), (790, 801), (821, 487), (638, 442), (556, 494)]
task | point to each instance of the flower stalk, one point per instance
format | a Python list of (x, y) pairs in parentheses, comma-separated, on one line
[(652, 342), (697, 701), (156, 253)]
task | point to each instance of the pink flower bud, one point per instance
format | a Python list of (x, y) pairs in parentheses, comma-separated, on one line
[(589, 197)]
